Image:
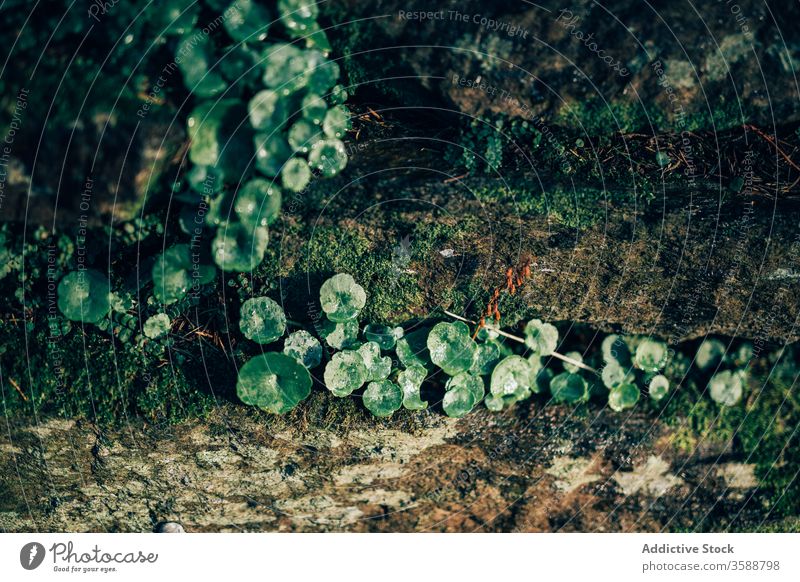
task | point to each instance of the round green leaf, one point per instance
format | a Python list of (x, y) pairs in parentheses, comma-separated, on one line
[(622, 397), (262, 320), (328, 156), (314, 108), (569, 387), (458, 402), (258, 203), (410, 381), (378, 367), (303, 347), (541, 338), (412, 349), (485, 359), (651, 355), (385, 336), (295, 175), (512, 376), (303, 135), (615, 349), (176, 271), (84, 296), (285, 68), (337, 122), (246, 20), (451, 347), (239, 248), (383, 398), (467, 381), (342, 298), (274, 382), (727, 387), (659, 387), (345, 372), (710, 354), (341, 335), (268, 111), (494, 403)]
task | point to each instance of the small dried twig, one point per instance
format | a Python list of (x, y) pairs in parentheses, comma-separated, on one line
[(455, 178), (18, 389), (521, 340), (774, 142)]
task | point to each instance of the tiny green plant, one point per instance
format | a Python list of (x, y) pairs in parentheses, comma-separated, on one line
[(726, 387), (342, 298), (410, 381), (175, 273), (651, 355), (471, 363), (157, 326), (273, 382), (463, 392), (569, 387), (623, 396), (382, 398), (385, 336), (658, 387), (84, 296), (345, 373), (451, 347), (541, 338), (304, 348), (262, 320), (709, 354)]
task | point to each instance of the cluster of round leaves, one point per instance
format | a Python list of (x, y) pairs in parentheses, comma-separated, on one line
[(630, 364), (85, 295), (634, 363), (273, 381), (278, 382), (728, 370), (269, 115)]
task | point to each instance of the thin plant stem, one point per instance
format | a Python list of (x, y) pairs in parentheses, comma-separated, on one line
[(521, 340)]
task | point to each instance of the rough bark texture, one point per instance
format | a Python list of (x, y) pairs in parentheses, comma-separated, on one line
[(689, 263), (533, 469)]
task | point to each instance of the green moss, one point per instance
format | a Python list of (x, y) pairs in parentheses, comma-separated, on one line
[(330, 250), (595, 117), (85, 374), (761, 432)]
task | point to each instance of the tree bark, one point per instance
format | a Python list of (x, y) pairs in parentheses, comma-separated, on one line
[(534, 468)]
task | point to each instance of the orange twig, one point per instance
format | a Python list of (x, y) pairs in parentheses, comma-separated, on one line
[(16, 386)]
